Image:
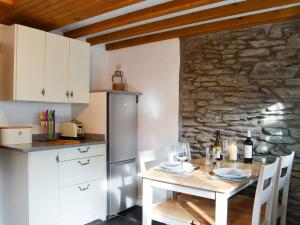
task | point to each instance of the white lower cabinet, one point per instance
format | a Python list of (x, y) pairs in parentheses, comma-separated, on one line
[(82, 198), (39, 189)]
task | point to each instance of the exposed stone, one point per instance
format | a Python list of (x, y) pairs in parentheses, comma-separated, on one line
[(293, 82), (272, 70), (221, 71), (189, 135), (286, 54), (275, 131), (222, 108), (266, 43), (279, 139), (295, 133), (288, 92), (232, 117), (206, 78), (249, 60), (203, 66), (203, 95), (209, 84), (229, 61), (202, 103), (247, 79), (203, 136), (294, 41), (254, 52), (290, 148), (278, 48), (278, 106), (275, 32), (188, 107), (229, 52), (263, 148), (233, 81)]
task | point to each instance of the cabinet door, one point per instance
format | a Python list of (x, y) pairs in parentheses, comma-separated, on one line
[(30, 64), (82, 198), (79, 65), (56, 68), (43, 188)]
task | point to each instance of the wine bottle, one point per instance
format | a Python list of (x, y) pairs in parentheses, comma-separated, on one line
[(248, 149), (218, 146)]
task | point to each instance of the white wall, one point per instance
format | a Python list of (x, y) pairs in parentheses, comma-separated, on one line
[(26, 113), (152, 69)]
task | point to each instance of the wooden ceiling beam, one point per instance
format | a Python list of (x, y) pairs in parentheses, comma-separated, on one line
[(237, 23), (209, 14), (137, 16), (7, 2)]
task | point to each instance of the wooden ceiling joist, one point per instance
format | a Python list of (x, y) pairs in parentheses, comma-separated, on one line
[(137, 16), (242, 22), (214, 13), (7, 2)]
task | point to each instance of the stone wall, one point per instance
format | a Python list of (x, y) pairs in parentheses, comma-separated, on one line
[(245, 79)]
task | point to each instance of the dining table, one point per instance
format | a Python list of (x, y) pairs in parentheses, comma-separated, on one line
[(200, 182)]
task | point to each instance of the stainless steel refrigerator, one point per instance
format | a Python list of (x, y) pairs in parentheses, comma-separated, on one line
[(121, 151), (115, 115)]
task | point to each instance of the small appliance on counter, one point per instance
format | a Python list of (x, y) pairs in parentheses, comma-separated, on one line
[(13, 135), (72, 130)]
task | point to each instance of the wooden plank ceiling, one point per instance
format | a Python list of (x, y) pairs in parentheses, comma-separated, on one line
[(51, 14), (169, 19)]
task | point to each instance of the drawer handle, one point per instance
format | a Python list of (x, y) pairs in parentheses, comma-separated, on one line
[(84, 189), (83, 164), (82, 151)]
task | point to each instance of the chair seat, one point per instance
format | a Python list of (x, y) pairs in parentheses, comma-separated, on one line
[(188, 209), (201, 211)]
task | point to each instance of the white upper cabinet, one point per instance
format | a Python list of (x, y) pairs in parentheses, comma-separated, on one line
[(79, 64), (56, 68), (40, 66), (30, 65)]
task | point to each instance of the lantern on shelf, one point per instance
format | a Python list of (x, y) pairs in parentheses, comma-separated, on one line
[(118, 80)]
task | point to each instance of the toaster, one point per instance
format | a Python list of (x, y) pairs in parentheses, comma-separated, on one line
[(73, 129)]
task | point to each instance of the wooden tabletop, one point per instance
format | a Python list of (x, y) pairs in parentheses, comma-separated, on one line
[(203, 179)]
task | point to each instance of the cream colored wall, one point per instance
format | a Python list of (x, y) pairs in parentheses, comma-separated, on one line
[(152, 69)]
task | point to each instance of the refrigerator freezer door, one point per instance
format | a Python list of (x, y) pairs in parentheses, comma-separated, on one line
[(122, 131), (122, 186)]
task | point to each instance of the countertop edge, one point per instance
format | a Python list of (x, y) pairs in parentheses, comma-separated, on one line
[(43, 146)]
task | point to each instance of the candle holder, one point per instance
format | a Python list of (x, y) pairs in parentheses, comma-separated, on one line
[(233, 151)]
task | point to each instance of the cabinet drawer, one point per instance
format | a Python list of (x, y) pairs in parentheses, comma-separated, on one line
[(82, 198), (81, 152), (81, 170)]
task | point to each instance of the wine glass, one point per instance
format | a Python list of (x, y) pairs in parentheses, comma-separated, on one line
[(225, 149), (181, 153)]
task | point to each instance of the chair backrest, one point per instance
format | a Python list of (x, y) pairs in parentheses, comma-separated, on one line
[(282, 184), (264, 194), (151, 158)]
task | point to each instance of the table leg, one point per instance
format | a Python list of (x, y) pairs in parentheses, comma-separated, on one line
[(147, 202), (221, 209)]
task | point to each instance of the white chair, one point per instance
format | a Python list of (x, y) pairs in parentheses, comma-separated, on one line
[(282, 185), (243, 210), (151, 158)]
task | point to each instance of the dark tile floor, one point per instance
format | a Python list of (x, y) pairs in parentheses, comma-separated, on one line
[(132, 216)]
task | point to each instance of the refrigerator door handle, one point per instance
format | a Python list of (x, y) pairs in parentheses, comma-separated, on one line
[(123, 162)]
